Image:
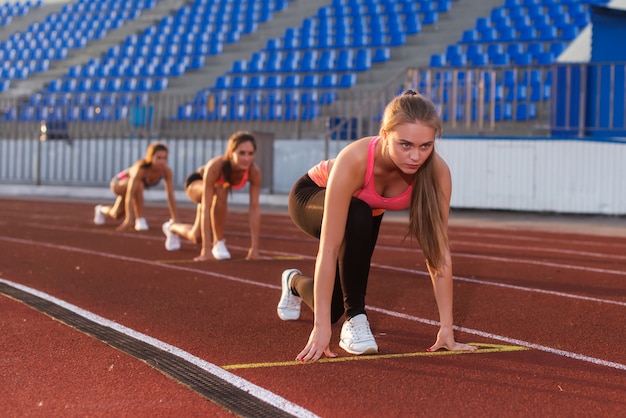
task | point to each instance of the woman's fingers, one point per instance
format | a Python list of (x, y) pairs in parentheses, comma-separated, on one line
[(452, 347)]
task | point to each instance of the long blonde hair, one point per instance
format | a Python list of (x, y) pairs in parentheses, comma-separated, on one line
[(426, 222)]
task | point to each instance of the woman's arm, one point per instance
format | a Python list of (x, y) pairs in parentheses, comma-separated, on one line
[(442, 279), (135, 173), (346, 177), (211, 173), (254, 212), (169, 189)]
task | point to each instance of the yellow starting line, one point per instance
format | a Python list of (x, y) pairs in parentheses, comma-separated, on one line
[(484, 348)]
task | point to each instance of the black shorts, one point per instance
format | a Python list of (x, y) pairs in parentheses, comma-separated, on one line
[(191, 178)]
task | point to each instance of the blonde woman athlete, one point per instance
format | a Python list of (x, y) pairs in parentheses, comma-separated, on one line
[(342, 201)]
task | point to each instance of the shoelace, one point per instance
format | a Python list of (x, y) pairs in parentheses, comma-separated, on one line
[(292, 301), (360, 331)]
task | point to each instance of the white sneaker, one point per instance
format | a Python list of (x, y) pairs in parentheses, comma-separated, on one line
[(219, 251), (356, 336), (98, 216), (172, 240), (141, 224), (289, 305)]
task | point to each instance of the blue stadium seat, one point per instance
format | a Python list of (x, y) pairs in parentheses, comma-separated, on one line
[(345, 60), (310, 80), (347, 80), (382, 54), (328, 80), (239, 81), (363, 59), (273, 81), (308, 62), (256, 81), (222, 82), (437, 60), (291, 81)]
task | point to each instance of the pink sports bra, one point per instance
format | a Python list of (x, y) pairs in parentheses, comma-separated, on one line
[(147, 184), (221, 181), (319, 174)]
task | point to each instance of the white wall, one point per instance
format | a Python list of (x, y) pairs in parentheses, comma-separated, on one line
[(546, 175)]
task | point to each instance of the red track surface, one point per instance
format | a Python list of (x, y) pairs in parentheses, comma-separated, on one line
[(560, 297)]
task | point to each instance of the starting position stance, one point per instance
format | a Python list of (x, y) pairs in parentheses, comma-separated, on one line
[(342, 201), (129, 186), (208, 187)]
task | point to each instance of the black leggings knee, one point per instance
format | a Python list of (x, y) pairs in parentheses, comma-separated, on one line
[(306, 208)]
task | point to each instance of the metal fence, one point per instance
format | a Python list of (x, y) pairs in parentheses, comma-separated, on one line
[(571, 100)]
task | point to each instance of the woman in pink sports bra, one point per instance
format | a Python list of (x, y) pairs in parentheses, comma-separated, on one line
[(130, 184), (342, 201), (208, 187)]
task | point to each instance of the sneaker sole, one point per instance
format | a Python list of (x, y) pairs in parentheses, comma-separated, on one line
[(282, 316), (369, 350), (171, 241), (220, 257), (98, 217)]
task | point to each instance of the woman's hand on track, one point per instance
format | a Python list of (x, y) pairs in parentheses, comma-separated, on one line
[(445, 339), (318, 344)]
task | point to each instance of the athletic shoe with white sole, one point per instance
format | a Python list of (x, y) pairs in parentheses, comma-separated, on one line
[(289, 305), (219, 251), (356, 336), (172, 240), (98, 216), (141, 224)]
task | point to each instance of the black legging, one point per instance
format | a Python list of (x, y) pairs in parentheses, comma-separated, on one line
[(306, 207)]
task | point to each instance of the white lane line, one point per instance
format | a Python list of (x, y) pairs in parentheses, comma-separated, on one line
[(456, 254), (508, 340), (382, 310), (595, 241), (256, 391), (507, 286), (304, 257), (389, 248), (542, 263), (557, 251)]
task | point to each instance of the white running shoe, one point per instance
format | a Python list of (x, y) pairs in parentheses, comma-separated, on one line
[(219, 251), (141, 224), (98, 216), (356, 336), (172, 240), (289, 305)]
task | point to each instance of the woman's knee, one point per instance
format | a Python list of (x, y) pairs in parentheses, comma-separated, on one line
[(194, 191)]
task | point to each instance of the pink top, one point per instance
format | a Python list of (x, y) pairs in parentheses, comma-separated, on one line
[(147, 184), (222, 182), (319, 174)]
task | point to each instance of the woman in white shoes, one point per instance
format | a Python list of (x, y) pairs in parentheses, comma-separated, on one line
[(129, 186), (208, 187), (342, 201)]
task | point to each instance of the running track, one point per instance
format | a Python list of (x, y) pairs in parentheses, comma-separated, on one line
[(99, 323)]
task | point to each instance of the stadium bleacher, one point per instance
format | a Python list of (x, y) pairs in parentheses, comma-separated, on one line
[(503, 59)]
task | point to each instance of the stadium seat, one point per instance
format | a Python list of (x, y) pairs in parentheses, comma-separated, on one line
[(347, 80), (328, 80)]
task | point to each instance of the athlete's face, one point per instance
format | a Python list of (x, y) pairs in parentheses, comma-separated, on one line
[(243, 156), (159, 159), (410, 145)]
